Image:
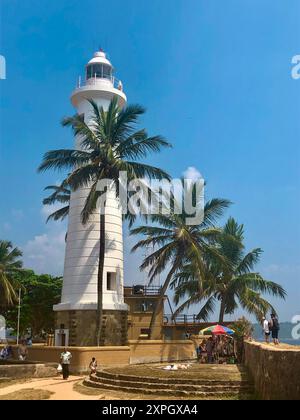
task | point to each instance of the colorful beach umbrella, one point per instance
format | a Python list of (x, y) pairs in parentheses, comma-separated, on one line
[(217, 330)]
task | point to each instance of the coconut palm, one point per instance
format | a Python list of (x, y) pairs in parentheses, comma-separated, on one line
[(176, 242), (10, 265), (109, 144), (231, 281), (61, 194)]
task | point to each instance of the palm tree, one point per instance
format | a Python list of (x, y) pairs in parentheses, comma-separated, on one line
[(109, 144), (10, 265), (177, 242), (229, 281), (61, 194)]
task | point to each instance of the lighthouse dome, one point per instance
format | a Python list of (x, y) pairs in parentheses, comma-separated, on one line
[(99, 66)]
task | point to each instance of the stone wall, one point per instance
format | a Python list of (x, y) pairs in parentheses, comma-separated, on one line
[(21, 370), (81, 356), (275, 371), (136, 352), (82, 327), (153, 351)]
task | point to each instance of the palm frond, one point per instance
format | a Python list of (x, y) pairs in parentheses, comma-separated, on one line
[(207, 309), (214, 209), (59, 214), (90, 204), (63, 159), (249, 261)]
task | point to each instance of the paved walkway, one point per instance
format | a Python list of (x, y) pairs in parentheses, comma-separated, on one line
[(62, 389)]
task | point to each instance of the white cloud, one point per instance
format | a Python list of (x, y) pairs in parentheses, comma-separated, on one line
[(192, 173), (47, 210), (45, 253)]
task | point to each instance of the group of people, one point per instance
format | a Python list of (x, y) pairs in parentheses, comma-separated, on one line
[(65, 361), (7, 351), (271, 327), (215, 349)]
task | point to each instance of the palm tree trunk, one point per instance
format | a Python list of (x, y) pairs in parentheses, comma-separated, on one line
[(99, 332), (160, 301), (222, 312)]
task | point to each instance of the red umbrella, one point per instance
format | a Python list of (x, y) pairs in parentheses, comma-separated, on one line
[(217, 330)]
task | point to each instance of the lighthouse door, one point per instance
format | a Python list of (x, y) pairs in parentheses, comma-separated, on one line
[(62, 338)]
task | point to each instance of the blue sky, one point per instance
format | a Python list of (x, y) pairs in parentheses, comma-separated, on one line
[(216, 80)]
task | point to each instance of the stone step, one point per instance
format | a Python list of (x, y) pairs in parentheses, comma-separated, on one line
[(175, 386), (167, 380), (167, 392)]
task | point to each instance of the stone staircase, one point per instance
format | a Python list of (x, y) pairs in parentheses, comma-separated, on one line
[(165, 387)]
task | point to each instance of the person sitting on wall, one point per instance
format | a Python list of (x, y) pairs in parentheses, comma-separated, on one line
[(65, 360), (22, 351), (93, 366), (6, 353)]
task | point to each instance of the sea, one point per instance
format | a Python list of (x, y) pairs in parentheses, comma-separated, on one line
[(285, 333)]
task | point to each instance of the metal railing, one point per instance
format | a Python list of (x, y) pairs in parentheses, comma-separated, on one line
[(92, 81), (146, 290), (182, 319)]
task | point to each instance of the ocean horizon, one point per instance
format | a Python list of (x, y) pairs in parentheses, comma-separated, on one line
[(285, 334), (289, 341)]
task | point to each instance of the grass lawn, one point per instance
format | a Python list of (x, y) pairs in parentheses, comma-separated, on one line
[(196, 371), (27, 394)]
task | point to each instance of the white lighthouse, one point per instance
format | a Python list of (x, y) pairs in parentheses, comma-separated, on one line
[(76, 314)]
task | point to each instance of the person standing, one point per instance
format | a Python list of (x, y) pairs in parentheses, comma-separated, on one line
[(210, 346), (274, 325), (266, 330), (201, 351), (93, 366), (65, 360)]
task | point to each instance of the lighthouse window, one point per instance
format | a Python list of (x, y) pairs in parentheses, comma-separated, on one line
[(99, 71), (106, 72), (111, 281)]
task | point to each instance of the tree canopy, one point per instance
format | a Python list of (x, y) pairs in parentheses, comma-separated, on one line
[(39, 294)]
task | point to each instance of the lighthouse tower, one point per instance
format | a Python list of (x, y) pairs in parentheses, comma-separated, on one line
[(76, 314)]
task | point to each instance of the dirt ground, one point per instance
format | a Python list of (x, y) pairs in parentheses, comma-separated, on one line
[(72, 389), (51, 388)]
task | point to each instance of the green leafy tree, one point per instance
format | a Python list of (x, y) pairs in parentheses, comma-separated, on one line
[(10, 266), (39, 294), (175, 243), (109, 144), (230, 280)]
